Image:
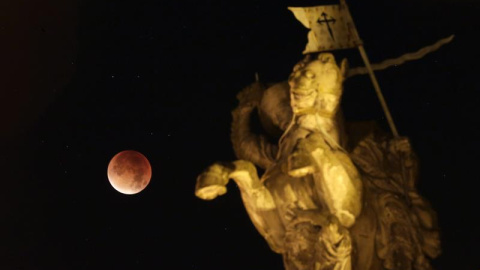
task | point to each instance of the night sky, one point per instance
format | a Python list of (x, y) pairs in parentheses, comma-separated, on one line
[(84, 80)]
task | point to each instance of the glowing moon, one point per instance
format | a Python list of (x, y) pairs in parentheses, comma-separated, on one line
[(129, 172)]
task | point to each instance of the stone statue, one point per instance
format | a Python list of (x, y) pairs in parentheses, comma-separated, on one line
[(333, 195)]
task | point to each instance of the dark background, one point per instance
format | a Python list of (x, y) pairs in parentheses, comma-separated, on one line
[(83, 80)]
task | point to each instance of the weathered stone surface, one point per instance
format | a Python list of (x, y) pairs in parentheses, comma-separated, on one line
[(333, 196)]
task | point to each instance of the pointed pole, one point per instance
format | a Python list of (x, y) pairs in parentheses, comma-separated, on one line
[(363, 53), (378, 91)]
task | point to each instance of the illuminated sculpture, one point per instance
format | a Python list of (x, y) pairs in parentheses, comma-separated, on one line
[(333, 195), (326, 200)]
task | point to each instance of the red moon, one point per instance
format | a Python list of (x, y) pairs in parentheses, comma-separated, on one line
[(129, 172)]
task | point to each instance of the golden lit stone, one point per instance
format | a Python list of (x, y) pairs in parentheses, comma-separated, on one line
[(325, 202)]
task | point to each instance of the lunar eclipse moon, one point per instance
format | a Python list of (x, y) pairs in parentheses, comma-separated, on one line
[(129, 172)]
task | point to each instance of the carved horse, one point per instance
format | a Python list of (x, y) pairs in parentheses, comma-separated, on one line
[(333, 196)]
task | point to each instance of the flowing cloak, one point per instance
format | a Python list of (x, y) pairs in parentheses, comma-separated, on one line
[(401, 224)]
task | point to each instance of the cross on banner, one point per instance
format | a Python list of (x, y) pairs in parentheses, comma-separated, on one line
[(327, 21), (331, 28)]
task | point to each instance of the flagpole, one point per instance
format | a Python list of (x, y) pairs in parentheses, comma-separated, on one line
[(363, 53), (378, 91), (366, 61)]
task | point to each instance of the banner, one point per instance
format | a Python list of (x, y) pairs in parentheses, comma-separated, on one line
[(331, 27)]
